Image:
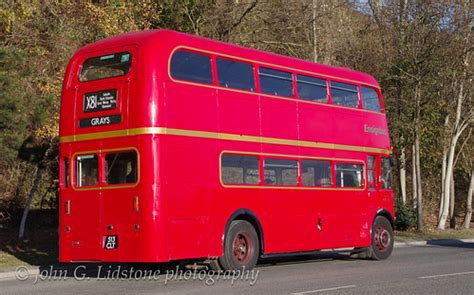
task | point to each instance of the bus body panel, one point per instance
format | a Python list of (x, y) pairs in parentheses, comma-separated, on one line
[(180, 130)]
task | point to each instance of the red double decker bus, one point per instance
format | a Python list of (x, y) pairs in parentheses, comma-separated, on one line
[(179, 147)]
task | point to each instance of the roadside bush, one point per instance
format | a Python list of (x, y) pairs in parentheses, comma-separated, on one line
[(406, 216)]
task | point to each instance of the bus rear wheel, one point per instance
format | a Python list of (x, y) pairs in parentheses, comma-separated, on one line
[(382, 239), (241, 246)]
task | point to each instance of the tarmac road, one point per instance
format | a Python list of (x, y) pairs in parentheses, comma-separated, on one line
[(440, 268)]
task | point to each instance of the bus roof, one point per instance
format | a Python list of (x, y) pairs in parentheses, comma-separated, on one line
[(156, 38)]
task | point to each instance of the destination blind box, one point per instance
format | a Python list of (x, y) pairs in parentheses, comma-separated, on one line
[(100, 100)]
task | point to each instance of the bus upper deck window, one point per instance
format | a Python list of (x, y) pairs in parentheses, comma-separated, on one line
[(313, 89), (234, 74), (190, 66), (275, 82), (344, 94), (370, 99), (105, 66), (121, 168), (86, 170)]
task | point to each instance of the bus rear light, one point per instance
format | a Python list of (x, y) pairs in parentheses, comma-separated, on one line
[(68, 207), (136, 207)]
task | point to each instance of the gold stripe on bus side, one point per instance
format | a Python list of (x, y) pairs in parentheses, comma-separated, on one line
[(221, 136)]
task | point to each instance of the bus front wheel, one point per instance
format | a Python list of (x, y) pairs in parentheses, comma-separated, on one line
[(382, 239), (241, 246)]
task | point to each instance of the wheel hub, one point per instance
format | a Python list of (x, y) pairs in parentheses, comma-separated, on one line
[(382, 238), (242, 247)]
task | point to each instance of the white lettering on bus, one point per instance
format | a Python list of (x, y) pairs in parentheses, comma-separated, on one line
[(374, 130), (100, 121)]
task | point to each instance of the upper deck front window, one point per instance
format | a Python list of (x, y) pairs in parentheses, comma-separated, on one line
[(105, 66)]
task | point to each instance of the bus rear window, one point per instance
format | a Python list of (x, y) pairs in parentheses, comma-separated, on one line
[(121, 168), (86, 170), (105, 66)]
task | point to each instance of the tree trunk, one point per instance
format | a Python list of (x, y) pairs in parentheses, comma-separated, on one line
[(443, 172), (467, 219), (416, 151), (413, 176), (403, 176), (447, 185), (457, 130), (33, 190), (452, 199), (315, 33), (419, 190)]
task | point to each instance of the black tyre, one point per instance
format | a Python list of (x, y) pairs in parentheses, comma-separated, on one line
[(382, 239), (241, 247)]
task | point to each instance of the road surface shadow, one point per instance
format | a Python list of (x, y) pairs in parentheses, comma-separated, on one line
[(451, 243), (300, 258)]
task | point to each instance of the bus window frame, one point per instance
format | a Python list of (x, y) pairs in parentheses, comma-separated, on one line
[(357, 91), (297, 95), (274, 157), (131, 49), (75, 174), (379, 97), (104, 155), (101, 184), (212, 62), (259, 159), (216, 73), (349, 162)]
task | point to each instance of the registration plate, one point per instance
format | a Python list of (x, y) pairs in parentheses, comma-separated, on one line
[(111, 242)]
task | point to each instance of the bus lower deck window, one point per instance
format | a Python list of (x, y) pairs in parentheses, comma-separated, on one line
[(239, 169), (121, 168), (349, 175), (281, 172), (86, 170), (386, 173), (316, 173)]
